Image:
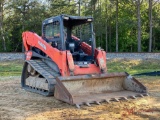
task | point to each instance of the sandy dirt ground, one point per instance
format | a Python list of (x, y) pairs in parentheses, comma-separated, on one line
[(18, 104)]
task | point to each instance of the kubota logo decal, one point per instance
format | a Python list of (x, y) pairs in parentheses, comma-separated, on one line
[(42, 45), (101, 61)]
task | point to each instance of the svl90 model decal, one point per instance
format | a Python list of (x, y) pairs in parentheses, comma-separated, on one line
[(42, 45)]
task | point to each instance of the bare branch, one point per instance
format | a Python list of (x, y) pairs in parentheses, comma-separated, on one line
[(155, 3), (133, 3), (141, 2)]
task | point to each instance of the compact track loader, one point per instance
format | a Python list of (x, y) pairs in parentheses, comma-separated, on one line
[(65, 62)]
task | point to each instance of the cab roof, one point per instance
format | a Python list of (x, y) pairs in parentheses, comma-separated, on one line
[(70, 20)]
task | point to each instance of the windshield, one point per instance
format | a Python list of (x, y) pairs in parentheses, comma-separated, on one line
[(83, 32)]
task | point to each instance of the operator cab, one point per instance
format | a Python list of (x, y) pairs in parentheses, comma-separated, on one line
[(68, 32)]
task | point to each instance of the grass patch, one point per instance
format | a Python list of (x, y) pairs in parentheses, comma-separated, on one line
[(11, 68), (133, 66), (14, 68)]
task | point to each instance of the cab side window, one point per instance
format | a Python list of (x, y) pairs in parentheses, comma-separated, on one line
[(49, 34), (56, 26), (52, 30), (52, 34)]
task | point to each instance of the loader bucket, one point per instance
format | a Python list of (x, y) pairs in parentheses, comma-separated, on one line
[(86, 89)]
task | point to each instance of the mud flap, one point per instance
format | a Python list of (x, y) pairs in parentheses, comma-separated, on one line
[(86, 89)]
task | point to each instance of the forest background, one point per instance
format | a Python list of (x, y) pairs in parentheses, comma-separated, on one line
[(119, 25)]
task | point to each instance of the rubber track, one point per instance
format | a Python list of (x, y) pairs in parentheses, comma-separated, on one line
[(49, 74)]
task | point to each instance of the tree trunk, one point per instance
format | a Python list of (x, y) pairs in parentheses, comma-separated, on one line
[(79, 8), (23, 26), (116, 25), (1, 25), (139, 25), (0, 20), (154, 45), (110, 29), (106, 28), (106, 37), (150, 26), (22, 41), (110, 37)]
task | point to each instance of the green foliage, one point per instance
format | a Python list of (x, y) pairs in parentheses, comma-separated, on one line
[(22, 15)]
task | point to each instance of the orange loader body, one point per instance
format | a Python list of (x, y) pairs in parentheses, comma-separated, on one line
[(71, 68)]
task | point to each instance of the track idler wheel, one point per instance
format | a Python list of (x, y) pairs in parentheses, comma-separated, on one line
[(31, 70)]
